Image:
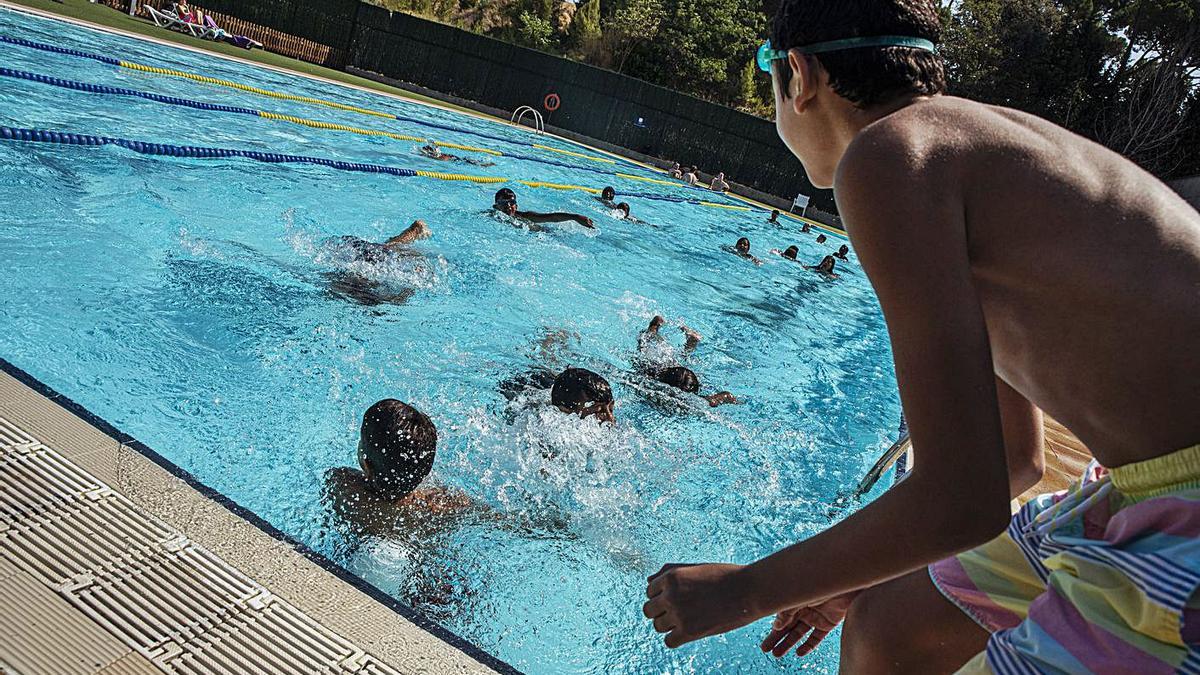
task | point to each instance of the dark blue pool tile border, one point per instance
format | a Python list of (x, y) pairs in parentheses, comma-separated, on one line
[(413, 615)]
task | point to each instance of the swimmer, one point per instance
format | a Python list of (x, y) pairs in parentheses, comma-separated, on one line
[(821, 239), (608, 197), (575, 391), (806, 227), (396, 448), (774, 219), (790, 252), (623, 207), (825, 267), (433, 152), (675, 171), (718, 183), (352, 285), (506, 203), (842, 251), (742, 249), (659, 363)]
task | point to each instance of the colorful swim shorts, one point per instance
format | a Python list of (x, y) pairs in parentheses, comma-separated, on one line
[(1099, 578)]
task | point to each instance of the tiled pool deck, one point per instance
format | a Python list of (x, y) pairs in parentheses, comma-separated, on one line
[(114, 561)]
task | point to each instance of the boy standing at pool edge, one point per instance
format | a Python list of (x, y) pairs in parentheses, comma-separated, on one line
[(951, 206)]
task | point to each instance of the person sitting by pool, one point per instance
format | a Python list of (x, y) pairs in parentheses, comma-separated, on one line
[(742, 249), (675, 171), (432, 151), (825, 267), (718, 183), (774, 216), (396, 449), (821, 239), (842, 251), (608, 197), (506, 203), (790, 252), (689, 176)]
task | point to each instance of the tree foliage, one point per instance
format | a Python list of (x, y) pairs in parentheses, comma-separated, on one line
[(1124, 72)]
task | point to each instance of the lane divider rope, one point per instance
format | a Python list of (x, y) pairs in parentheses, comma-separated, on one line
[(162, 149)]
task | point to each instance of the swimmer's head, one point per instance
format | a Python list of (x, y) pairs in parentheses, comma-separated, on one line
[(843, 250), (827, 264), (657, 322), (583, 392), (806, 228), (608, 193), (821, 239), (680, 378), (743, 245), (396, 447), (624, 208), (506, 201), (790, 252), (774, 215)]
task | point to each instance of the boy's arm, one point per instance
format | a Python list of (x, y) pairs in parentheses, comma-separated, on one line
[(1024, 438), (916, 254), (536, 217)]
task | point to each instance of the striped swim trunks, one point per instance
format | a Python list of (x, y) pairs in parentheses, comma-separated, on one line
[(1099, 578)]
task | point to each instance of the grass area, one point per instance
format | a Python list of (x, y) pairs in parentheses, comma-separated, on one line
[(107, 16)]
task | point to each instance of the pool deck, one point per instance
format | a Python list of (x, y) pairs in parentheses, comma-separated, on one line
[(112, 560)]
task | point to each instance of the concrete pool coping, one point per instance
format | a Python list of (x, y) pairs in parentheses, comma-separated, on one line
[(399, 94), (115, 560)]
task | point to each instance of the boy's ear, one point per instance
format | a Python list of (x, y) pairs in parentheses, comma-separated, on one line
[(805, 78)]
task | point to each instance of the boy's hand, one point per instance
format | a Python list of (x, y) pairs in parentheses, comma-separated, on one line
[(689, 602), (585, 221), (816, 621)]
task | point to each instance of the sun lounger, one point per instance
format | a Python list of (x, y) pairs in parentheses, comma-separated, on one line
[(170, 21)]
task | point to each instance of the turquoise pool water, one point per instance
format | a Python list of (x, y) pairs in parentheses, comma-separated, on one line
[(188, 302)]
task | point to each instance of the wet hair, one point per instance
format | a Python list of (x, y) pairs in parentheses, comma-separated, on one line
[(821, 238), (867, 76), (399, 443), (790, 252), (742, 242), (505, 194), (624, 206), (774, 213), (608, 193), (576, 388), (680, 378), (843, 249), (830, 261)]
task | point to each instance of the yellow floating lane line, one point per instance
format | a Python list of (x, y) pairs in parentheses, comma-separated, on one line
[(575, 154), (337, 127), (731, 207), (468, 148), (649, 180), (558, 186), (459, 176), (253, 90)]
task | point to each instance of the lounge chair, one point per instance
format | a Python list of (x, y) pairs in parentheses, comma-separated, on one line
[(171, 21)]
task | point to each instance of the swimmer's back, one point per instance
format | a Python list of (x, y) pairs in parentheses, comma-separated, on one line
[(1086, 267)]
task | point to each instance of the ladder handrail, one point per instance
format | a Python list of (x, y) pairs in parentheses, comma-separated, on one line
[(518, 116)]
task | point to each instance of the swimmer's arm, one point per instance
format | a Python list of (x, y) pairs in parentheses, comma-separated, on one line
[(720, 398), (957, 496), (559, 217)]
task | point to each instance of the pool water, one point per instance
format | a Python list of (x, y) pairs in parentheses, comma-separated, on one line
[(189, 303)]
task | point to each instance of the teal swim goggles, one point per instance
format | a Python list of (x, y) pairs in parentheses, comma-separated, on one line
[(766, 54)]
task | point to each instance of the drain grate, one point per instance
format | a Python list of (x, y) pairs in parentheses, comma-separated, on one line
[(168, 598)]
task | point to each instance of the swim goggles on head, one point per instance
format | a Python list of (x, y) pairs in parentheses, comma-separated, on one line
[(766, 54)]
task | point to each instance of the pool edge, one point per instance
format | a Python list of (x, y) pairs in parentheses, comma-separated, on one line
[(336, 574)]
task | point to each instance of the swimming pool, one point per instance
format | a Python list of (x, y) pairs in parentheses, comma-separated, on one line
[(187, 301)]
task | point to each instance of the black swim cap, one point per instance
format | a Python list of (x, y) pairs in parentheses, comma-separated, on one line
[(576, 388), (680, 378)]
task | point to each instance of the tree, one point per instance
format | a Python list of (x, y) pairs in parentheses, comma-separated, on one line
[(633, 24), (586, 24)]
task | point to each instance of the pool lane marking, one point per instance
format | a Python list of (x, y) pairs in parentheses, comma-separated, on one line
[(366, 111), (64, 138)]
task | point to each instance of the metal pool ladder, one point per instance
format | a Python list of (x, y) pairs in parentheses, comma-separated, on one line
[(518, 116)]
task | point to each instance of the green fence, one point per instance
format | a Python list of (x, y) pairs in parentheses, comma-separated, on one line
[(597, 103)]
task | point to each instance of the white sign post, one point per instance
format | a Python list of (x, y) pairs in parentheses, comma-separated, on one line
[(801, 203)]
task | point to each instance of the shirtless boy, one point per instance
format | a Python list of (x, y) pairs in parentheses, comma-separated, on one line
[(932, 577)]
